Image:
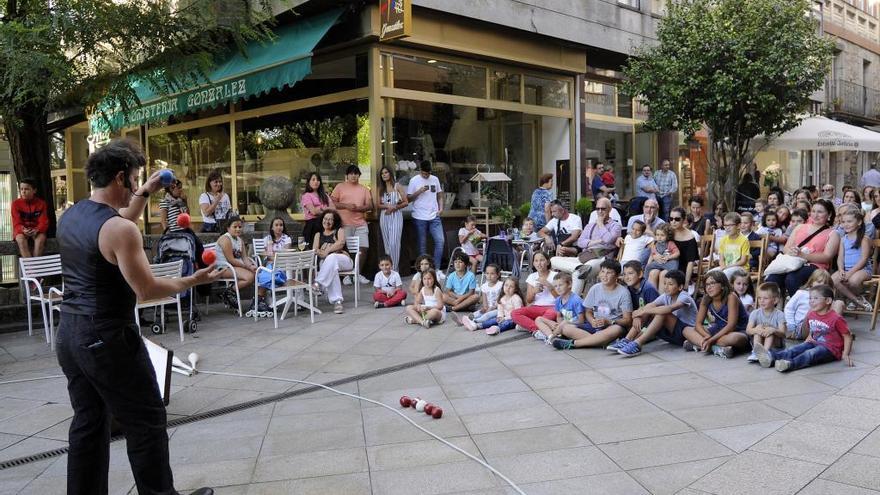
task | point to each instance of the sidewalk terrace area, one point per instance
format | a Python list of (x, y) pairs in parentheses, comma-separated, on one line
[(568, 422)]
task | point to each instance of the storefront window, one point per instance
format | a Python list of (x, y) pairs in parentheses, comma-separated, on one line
[(546, 92), (598, 98), (504, 86), (326, 139), (461, 140), (192, 154), (436, 76), (611, 144)]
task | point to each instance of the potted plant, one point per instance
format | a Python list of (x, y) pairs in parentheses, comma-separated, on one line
[(505, 214), (524, 210), (583, 208)]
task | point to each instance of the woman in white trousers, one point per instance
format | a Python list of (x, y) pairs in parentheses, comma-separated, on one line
[(329, 245)]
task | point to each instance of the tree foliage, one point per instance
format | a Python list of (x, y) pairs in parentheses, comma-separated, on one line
[(742, 68), (62, 54)]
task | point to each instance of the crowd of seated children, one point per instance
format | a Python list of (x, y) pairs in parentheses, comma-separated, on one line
[(469, 237), (828, 338), (510, 300), (766, 325), (607, 313)]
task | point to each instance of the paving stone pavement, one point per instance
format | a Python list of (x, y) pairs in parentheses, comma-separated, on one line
[(566, 422)]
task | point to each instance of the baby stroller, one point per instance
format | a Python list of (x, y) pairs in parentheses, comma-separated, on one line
[(174, 246)]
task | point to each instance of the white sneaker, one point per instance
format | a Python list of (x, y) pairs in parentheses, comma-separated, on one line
[(337, 308), (753, 358), (362, 279), (346, 280)]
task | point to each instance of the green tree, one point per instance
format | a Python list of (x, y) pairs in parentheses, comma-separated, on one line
[(741, 68), (62, 54)]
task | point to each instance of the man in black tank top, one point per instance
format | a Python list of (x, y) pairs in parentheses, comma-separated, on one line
[(99, 346)]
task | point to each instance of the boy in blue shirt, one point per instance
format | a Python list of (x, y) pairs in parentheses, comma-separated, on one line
[(642, 292), (607, 312), (461, 286), (569, 309), (670, 314)]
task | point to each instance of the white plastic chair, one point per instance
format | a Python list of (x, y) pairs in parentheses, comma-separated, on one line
[(300, 269), (173, 269), (259, 250), (353, 245), (227, 280), (32, 270)]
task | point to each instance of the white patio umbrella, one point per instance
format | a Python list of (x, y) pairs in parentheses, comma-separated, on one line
[(823, 134)]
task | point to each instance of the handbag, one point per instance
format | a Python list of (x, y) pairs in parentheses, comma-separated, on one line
[(786, 263)]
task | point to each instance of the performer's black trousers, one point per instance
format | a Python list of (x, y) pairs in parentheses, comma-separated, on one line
[(109, 373)]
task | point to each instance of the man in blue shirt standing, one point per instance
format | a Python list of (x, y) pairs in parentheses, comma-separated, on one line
[(667, 186), (646, 186)]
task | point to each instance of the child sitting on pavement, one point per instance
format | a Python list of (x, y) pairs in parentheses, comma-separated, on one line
[(641, 291), (607, 311), (671, 313), (569, 308), (461, 287), (490, 290), (389, 288), (766, 323), (468, 237), (510, 300), (723, 307), (829, 338), (428, 308), (424, 263)]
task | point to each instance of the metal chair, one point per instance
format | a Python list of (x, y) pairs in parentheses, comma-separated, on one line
[(227, 280), (32, 271), (353, 246), (872, 283), (259, 250), (173, 269), (295, 264)]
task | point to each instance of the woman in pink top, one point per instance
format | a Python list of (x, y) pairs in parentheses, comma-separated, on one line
[(315, 202), (818, 251)]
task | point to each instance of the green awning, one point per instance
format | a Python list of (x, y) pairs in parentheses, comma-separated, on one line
[(284, 62)]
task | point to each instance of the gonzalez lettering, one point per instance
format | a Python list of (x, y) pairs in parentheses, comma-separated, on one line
[(216, 93)]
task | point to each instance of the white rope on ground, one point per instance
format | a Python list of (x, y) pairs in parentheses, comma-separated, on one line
[(386, 406), (32, 379)]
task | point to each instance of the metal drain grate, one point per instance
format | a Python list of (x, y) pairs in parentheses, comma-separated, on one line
[(279, 397)]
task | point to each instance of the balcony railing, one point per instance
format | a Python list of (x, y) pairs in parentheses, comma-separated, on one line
[(853, 99)]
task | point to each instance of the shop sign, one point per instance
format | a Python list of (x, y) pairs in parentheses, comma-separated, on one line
[(395, 19)]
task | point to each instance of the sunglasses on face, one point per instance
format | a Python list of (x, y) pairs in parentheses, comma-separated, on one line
[(675, 219), (601, 208)]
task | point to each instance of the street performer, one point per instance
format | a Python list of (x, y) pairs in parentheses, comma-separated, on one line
[(99, 345)]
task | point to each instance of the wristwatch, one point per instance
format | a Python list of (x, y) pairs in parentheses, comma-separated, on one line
[(145, 195)]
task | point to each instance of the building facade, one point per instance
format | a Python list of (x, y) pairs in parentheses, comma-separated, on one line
[(520, 87)]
